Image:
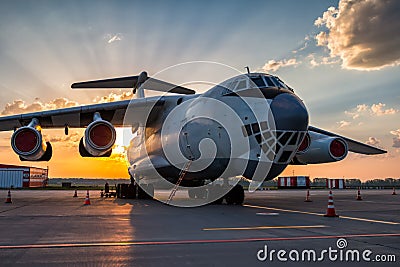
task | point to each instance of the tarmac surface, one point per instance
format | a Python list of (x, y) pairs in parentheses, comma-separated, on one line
[(51, 228)]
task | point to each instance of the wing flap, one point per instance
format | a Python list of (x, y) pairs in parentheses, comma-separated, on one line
[(354, 146)]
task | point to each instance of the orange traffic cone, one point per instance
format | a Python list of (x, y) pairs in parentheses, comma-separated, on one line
[(330, 212), (8, 199), (76, 193), (394, 192), (358, 195), (308, 199), (87, 199)]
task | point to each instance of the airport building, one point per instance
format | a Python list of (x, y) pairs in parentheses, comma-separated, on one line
[(294, 182), (12, 176)]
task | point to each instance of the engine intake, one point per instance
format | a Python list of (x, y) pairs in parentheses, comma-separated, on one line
[(322, 149), (100, 136), (28, 143)]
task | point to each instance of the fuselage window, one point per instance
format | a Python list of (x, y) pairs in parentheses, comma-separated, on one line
[(269, 82)]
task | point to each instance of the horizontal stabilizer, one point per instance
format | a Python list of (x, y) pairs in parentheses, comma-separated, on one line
[(131, 82)]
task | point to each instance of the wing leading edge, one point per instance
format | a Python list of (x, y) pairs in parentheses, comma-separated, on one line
[(82, 116), (354, 146)]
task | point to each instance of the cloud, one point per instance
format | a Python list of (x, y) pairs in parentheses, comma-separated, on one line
[(373, 141), (111, 38), (70, 140), (114, 97), (362, 33), (378, 110), (20, 106), (396, 139), (321, 60), (343, 124), (355, 113), (373, 110), (273, 65)]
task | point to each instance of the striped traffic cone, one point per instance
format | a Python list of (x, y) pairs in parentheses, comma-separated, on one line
[(394, 192), (87, 199), (359, 195), (76, 193), (330, 212), (8, 199), (308, 199)]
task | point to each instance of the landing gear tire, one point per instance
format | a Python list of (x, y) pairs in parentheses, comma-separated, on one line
[(235, 196), (146, 191)]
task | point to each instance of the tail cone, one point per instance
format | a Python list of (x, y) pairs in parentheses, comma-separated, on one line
[(8, 199), (87, 199), (76, 193), (394, 192), (330, 212)]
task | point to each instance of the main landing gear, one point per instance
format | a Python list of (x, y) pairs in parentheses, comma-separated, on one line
[(145, 191), (235, 195)]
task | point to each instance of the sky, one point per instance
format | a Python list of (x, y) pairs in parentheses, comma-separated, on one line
[(341, 57)]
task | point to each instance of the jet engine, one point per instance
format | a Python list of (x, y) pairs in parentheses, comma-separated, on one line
[(321, 149), (29, 144), (99, 138)]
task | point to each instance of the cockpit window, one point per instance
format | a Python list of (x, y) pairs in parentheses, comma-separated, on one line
[(269, 82), (258, 81), (278, 82), (241, 85), (281, 82), (275, 81)]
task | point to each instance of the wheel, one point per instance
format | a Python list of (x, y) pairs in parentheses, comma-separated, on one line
[(235, 196), (239, 194), (141, 193), (143, 189)]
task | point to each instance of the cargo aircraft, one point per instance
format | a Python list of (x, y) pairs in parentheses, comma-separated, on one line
[(252, 125)]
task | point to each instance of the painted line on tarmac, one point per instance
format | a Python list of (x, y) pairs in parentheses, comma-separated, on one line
[(320, 214), (267, 213), (186, 242), (265, 227)]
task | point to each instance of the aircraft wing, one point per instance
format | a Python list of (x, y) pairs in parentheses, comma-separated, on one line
[(82, 116), (354, 146)]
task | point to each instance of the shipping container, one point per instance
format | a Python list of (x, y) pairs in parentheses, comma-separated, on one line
[(12, 176), (335, 184), (294, 182)]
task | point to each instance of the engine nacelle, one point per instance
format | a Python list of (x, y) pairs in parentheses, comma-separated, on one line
[(322, 149), (100, 136), (29, 144)]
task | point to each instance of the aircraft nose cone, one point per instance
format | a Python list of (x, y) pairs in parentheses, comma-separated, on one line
[(289, 113)]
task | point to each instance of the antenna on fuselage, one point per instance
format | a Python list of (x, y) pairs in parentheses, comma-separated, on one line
[(248, 69)]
